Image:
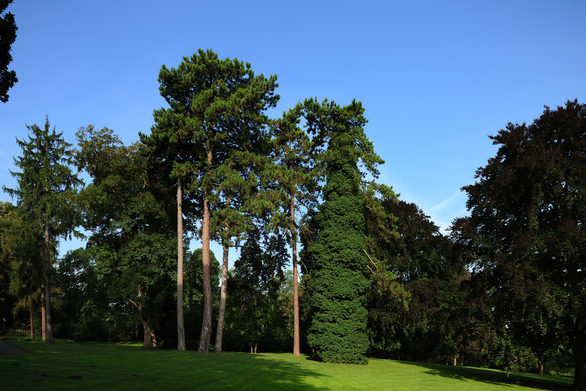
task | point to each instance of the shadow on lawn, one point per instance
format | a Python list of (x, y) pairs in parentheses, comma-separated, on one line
[(242, 371), (492, 377), (229, 371), (108, 366), (278, 374)]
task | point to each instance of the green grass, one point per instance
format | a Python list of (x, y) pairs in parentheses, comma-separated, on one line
[(99, 366)]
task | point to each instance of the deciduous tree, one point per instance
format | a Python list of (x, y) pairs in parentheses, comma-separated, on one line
[(528, 207), (128, 214)]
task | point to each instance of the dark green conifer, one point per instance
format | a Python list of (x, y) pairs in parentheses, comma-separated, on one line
[(338, 280)]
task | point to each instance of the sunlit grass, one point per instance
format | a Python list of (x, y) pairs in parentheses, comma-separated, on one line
[(99, 366)]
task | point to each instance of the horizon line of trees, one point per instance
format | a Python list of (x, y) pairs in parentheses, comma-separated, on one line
[(506, 288)]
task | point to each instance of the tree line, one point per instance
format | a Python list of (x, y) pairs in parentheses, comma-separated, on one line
[(506, 288)]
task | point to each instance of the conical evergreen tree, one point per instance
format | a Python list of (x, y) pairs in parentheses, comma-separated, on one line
[(45, 193), (338, 280)]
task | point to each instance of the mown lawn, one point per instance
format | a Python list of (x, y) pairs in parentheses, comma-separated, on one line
[(100, 366)]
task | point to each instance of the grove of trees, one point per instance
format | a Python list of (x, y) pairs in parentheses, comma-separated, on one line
[(330, 261)]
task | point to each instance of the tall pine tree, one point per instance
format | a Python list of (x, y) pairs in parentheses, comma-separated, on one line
[(221, 104), (294, 175)]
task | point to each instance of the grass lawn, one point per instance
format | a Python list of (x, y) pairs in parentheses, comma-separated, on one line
[(100, 366)]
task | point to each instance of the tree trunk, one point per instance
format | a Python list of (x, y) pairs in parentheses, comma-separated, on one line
[(147, 336), (48, 319), (223, 291), (148, 333), (296, 350), (43, 318), (206, 327), (180, 322), (455, 361), (31, 319)]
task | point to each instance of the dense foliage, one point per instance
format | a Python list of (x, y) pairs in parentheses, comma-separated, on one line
[(259, 296), (7, 36), (527, 232), (337, 260)]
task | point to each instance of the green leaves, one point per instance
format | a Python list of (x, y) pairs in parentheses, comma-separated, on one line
[(8, 33), (527, 230)]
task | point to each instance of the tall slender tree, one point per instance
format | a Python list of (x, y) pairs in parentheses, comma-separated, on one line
[(46, 195), (229, 223), (338, 268), (224, 103), (296, 175), (171, 147)]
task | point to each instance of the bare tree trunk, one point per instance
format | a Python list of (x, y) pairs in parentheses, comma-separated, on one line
[(296, 350), (223, 290), (43, 318), (148, 333), (147, 338), (31, 319), (206, 327), (180, 322), (48, 320)]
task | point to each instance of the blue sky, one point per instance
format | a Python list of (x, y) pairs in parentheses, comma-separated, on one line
[(436, 78)]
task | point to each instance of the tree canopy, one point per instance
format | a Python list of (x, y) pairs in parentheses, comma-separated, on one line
[(7, 37), (528, 207)]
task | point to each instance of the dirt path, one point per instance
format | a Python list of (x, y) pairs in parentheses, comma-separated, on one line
[(9, 349)]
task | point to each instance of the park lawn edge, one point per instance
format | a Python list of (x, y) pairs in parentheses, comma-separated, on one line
[(91, 365)]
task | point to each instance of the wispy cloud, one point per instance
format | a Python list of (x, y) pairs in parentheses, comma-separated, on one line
[(444, 212), (447, 202)]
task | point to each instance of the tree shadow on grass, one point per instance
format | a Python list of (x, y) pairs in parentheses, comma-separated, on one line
[(494, 377), (242, 371), (107, 366), (281, 373)]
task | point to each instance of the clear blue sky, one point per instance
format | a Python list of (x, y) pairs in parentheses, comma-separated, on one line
[(436, 78)]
